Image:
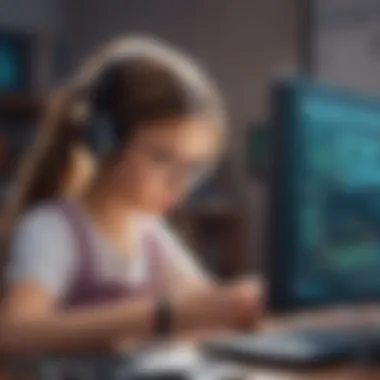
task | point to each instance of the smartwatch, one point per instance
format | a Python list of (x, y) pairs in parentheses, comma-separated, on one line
[(163, 318)]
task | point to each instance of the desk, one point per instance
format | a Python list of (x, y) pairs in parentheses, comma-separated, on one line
[(328, 374), (354, 371), (365, 315)]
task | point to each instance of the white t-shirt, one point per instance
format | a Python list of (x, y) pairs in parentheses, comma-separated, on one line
[(44, 250)]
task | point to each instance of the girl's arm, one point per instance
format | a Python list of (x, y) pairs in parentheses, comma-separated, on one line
[(185, 274), (37, 277), (30, 323)]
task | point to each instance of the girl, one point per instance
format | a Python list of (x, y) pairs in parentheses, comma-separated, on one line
[(92, 264)]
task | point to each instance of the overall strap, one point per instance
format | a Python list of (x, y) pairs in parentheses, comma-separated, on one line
[(155, 264), (84, 248)]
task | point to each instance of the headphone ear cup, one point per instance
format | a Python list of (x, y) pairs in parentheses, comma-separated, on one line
[(99, 137)]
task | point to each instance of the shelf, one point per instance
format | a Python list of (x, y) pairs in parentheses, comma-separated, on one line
[(18, 105)]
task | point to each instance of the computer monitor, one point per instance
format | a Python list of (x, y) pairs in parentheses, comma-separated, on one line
[(324, 235)]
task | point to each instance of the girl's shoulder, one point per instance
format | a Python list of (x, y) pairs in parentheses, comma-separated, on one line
[(41, 249), (45, 218)]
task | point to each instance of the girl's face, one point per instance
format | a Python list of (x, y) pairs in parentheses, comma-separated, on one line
[(164, 160)]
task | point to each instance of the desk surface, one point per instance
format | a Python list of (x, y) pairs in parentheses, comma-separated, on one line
[(365, 315), (331, 374)]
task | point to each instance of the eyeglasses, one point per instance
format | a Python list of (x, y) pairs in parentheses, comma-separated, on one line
[(169, 164)]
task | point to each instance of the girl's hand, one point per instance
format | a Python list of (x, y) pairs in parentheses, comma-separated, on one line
[(200, 307), (208, 310), (216, 307), (249, 300)]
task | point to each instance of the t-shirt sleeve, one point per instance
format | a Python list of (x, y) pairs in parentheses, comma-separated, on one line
[(180, 259), (42, 251)]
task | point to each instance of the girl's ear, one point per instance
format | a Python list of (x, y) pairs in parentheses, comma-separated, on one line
[(80, 172)]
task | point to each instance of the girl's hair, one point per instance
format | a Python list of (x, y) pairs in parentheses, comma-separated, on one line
[(133, 81)]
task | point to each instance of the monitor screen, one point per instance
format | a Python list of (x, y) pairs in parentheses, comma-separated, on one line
[(325, 212)]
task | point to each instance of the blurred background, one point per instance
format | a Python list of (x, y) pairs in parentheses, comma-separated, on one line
[(318, 221), (244, 44)]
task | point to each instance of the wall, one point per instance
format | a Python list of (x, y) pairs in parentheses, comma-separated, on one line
[(44, 20), (242, 42), (30, 14), (347, 43)]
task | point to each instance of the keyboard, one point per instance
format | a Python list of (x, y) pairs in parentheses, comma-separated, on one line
[(298, 348), (180, 362)]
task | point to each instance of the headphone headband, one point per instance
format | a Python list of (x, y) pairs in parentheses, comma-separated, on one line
[(101, 134), (105, 90)]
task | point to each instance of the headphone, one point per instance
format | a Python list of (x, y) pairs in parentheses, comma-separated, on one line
[(103, 134)]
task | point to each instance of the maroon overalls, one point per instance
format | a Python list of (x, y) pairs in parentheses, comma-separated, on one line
[(90, 289)]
